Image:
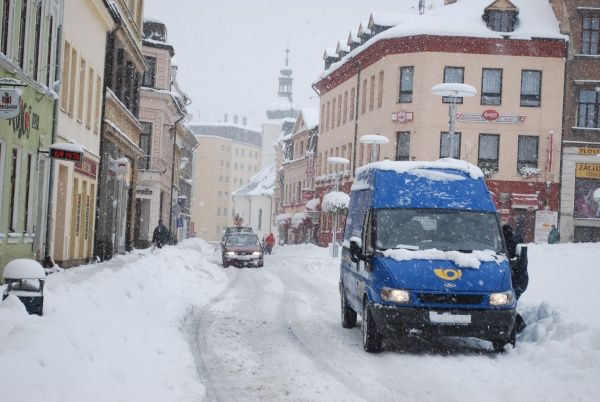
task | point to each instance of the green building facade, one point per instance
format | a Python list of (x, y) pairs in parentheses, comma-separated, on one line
[(28, 73)]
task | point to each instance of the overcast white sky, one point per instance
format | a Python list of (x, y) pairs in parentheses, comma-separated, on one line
[(230, 51)]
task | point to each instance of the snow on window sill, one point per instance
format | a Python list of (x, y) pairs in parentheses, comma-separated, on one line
[(14, 238), (586, 129), (588, 56), (28, 237)]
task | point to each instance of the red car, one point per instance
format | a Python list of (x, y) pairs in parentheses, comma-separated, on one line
[(242, 250)]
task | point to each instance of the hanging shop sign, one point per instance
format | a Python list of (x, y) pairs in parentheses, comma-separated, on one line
[(403, 117), (86, 167), (66, 151), (9, 103), (490, 116)]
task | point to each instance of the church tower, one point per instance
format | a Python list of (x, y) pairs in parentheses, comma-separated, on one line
[(283, 107)]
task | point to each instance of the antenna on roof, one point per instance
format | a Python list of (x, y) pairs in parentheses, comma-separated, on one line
[(421, 7)]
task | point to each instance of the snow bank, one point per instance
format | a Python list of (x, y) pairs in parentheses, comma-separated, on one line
[(110, 331)]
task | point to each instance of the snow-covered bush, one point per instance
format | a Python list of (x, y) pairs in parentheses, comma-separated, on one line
[(298, 218), (313, 204), (335, 201)]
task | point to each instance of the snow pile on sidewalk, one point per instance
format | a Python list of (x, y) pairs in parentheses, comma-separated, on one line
[(110, 331)]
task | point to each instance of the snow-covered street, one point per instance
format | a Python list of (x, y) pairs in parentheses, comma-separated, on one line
[(175, 325)]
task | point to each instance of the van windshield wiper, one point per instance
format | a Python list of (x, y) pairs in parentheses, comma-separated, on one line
[(404, 247)]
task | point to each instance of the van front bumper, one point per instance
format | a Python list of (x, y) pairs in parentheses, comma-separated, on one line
[(484, 324)]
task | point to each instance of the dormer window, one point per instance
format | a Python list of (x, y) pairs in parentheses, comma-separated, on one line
[(501, 21), (501, 16)]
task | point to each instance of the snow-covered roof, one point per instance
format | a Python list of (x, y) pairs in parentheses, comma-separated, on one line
[(261, 184), (222, 124), (386, 19), (464, 18), (310, 115), (353, 36), (342, 46), (329, 52), (445, 163)]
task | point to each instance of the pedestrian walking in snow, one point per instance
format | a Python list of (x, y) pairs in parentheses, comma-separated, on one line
[(554, 235), (160, 235), (519, 276), (269, 243)]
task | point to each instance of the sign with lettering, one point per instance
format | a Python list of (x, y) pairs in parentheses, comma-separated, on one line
[(65, 154), (589, 151), (9, 103), (490, 116), (87, 167), (587, 170), (403, 117)]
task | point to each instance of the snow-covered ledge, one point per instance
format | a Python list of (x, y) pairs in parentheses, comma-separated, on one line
[(14, 238), (28, 237)]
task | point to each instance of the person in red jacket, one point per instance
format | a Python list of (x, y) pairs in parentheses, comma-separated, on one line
[(269, 243)]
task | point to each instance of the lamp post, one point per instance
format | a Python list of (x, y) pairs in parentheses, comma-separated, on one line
[(454, 91), (375, 140), (336, 162)]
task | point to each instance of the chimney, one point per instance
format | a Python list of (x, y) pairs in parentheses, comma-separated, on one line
[(235, 119), (225, 118), (447, 2), (244, 120)]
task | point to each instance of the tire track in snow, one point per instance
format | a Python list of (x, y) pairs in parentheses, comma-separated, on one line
[(196, 326)]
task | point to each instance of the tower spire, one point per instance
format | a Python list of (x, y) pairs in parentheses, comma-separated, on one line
[(285, 78)]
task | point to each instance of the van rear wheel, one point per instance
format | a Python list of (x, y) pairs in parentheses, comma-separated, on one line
[(348, 314), (371, 338)]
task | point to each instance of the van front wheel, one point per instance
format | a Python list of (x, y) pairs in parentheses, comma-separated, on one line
[(371, 338), (348, 315)]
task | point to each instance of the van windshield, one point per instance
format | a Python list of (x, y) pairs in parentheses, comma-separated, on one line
[(421, 229)]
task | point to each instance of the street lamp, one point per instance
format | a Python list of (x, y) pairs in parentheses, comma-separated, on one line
[(375, 140), (454, 91), (336, 162)]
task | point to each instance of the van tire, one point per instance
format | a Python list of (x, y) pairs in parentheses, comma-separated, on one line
[(371, 338), (348, 314)]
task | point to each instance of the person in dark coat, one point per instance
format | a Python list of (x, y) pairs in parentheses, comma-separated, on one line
[(519, 275), (160, 235)]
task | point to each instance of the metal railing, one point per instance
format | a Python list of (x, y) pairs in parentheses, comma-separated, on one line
[(152, 164)]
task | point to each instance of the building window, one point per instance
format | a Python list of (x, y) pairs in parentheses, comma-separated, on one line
[(322, 124), (82, 71), (64, 93), (50, 50), (327, 117), (27, 193), (73, 83), (380, 90), (455, 75), (218, 211), (491, 86), (445, 146), (145, 145), (333, 113), (488, 152), (260, 219), (90, 98), (339, 110), (363, 107), (406, 84), (98, 108), (403, 146), (531, 88), (23, 30), (14, 193), (589, 35), (352, 102), (528, 151), (149, 75), (5, 21), (37, 45), (345, 113), (372, 93), (501, 21), (588, 107)]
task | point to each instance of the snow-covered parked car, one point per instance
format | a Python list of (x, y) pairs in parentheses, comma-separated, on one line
[(242, 250)]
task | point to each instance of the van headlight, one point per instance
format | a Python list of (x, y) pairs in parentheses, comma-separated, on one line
[(231, 253), (502, 298), (395, 295)]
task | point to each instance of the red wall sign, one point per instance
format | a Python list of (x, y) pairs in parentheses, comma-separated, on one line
[(65, 155), (490, 115)]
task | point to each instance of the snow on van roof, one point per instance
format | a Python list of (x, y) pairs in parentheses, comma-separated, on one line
[(418, 166)]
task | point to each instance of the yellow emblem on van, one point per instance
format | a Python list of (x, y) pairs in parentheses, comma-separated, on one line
[(448, 274)]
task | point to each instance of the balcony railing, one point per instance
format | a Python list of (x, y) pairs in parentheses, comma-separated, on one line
[(152, 164)]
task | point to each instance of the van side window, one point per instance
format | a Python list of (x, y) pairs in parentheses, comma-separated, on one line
[(368, 233)]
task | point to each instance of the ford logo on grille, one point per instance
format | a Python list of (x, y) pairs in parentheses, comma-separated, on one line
[(450, 285)]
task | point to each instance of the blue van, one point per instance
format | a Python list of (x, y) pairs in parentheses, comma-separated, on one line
[(423, 253)]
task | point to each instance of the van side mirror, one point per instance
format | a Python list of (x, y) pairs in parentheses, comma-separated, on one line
[(355, 250)]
